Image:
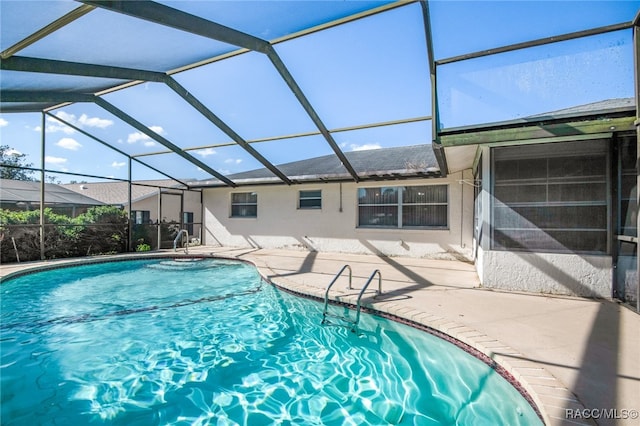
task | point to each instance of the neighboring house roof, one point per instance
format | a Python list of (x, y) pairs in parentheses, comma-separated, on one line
[(374, 164), (15, 191), (117, 193)]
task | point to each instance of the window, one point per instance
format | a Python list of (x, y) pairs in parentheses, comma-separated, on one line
[(187, 221), (244, 204), (403, 207), (310, 199), (141, 217), (378, 207), (551, 197), (424, 206)]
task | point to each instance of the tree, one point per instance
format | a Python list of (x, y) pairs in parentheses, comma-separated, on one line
[(10, 163)]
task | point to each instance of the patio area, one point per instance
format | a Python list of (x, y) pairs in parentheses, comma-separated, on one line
[(568, 353)]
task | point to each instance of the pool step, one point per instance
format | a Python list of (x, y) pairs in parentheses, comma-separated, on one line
[(343, 318), (176, 264)]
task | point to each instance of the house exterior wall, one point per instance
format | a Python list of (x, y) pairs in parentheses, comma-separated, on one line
[(548, 273), (150, 204), (333, 228), (171, 206)]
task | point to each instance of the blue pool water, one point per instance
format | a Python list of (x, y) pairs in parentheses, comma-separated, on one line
[(207, 341)]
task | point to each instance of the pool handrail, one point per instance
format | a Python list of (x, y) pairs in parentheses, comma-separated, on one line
[(326, 294), (378, 292), (186, 244), (354, 323)]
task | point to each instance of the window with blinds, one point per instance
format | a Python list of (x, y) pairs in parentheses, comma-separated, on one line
[(244, 204), (310, 199), (423, 206), (551, 197)]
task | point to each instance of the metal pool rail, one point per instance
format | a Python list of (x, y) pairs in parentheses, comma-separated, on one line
[(354, 323)]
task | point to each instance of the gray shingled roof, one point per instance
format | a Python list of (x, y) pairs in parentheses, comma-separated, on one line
[(374, 164), (116, 193), (385, 163), (14, 191), (606, 106)]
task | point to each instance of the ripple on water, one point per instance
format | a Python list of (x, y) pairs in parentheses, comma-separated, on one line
[(206, 342)]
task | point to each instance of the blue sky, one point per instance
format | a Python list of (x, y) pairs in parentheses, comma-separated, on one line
[(368, 71)]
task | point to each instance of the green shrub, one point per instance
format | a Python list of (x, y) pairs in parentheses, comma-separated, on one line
[(143, 247), (100, 230)]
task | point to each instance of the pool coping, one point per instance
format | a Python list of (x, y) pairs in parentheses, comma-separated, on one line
[(547, 395)]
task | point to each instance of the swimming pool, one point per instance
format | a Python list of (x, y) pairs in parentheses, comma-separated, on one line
[(207, 341)]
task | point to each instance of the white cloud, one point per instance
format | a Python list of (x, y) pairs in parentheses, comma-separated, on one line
[(136, 137), (205, 152), (3, 122), (233, 161), (54, 126), (12, 151), (101, 123), (364, 147), (83, 122), (54, 160), (141, 137), (118, 165), (63, 116), (69, 143)]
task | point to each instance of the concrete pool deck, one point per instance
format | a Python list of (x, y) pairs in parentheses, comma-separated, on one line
[(569, 353)]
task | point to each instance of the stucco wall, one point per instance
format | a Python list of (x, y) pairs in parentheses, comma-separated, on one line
[(280, 224), (567, 274)]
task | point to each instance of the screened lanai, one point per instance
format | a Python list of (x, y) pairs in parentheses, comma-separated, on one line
[(194, 93), (334, 129), (198, 90)]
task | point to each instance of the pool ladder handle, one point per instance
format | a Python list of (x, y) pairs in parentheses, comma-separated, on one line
[(378, 292), (325, 314), (186, 243)]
